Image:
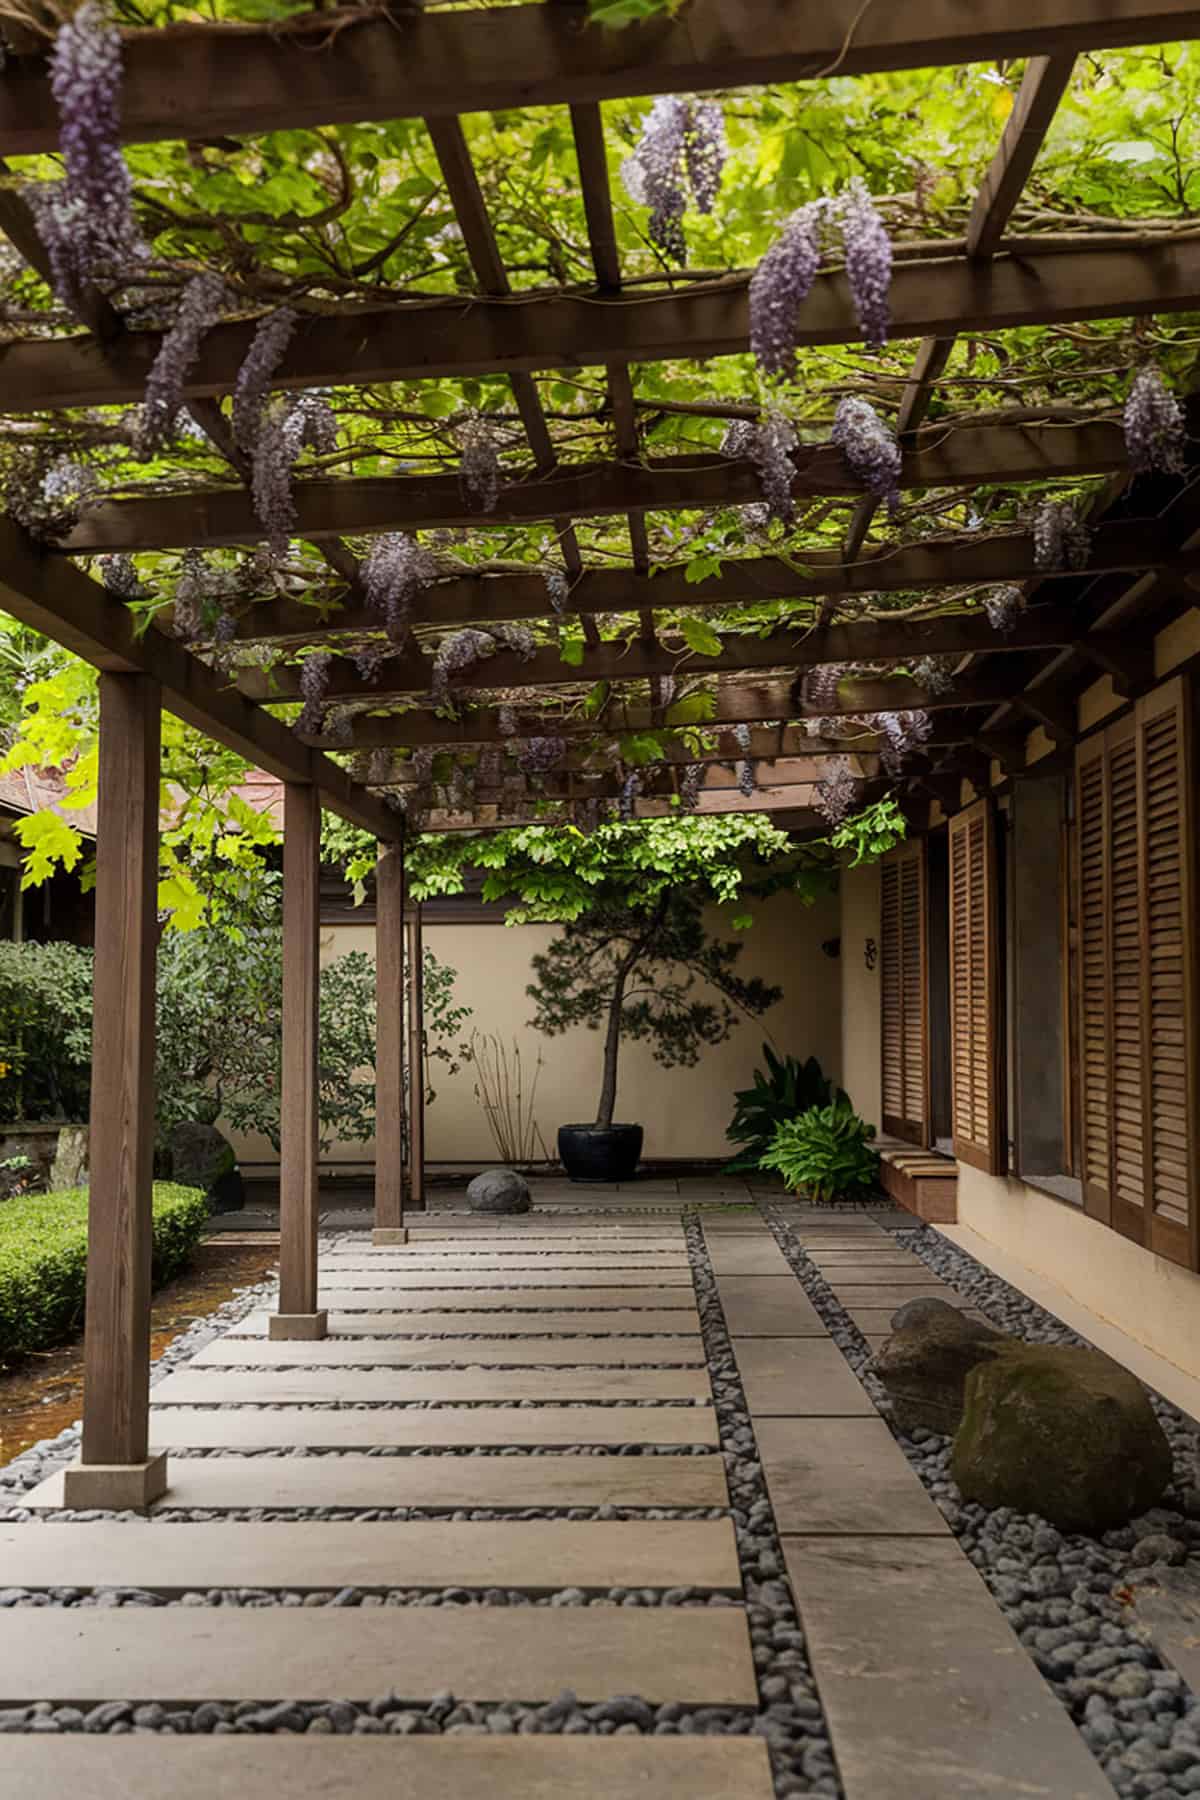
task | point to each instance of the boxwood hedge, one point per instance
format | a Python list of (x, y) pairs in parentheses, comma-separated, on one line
[(43, 1260)]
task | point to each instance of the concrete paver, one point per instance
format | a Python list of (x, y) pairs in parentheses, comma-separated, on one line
[(843, 1477)]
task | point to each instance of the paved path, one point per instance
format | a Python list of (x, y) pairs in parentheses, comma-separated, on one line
[(542, 1345)]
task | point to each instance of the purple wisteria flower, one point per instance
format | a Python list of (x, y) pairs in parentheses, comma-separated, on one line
[(1155, 428), (781, 283), (1003, 606), (837, 791), (868, 262), (257, 374), (314, 687), (394, 572), (1061, 539), (200, 307), (479, 464), (869, 447), (461, 651), (541, 754), (682, 146)]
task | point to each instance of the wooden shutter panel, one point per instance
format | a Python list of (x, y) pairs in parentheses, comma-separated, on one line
[(904, 1012), (975, 1016), (1135, 862)]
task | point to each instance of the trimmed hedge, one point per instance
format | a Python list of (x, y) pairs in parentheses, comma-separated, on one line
[(43, 1260)]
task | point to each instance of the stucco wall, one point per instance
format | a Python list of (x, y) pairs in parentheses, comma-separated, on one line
[(684, 1111), (860, 990)]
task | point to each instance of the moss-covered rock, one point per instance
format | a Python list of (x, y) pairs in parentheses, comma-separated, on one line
[(925, 1363), (1063, 1432)]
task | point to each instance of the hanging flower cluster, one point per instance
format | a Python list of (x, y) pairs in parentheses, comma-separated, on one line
[(256, 376), (1061, 539), (1155, 428), (837, 791), (557, 588), (120, 577), (629, 792), (905, 732), (682, 146), (517, 638), (285, 429), (394, 572), (747, 778), (47, 498), (461, 651), (935, 674), (314, 689), (769, 446), (200, 307), (86, 222), (690, 784), (869, 447), (820, 687), (541, 754), (784, 278), (479, 464), (1003, 606)]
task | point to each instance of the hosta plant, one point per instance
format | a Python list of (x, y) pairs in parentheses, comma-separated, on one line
[(788, 1087), (827, 1152)]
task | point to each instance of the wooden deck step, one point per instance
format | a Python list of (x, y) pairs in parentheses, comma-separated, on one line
[(412, 1768), (83, 1655), (309, 1555)]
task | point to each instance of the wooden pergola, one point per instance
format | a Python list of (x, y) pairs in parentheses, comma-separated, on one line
[(355, 66)]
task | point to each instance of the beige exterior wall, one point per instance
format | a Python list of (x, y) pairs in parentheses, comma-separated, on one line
[(684, 1111), (860, 991)]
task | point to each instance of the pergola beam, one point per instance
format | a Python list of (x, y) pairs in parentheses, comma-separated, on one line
[(183, 81), (868, 640), (59, 601), (934, 297), (943, 457)]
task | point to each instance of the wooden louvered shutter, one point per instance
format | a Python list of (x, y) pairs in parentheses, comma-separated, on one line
[(903, 990), (1135, 861), (975, 1016), (1091, 887), (1169, 1038)]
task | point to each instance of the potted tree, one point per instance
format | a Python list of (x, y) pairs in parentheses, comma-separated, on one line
[(635, 959)]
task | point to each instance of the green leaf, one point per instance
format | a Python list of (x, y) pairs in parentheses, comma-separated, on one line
[(699, 637)]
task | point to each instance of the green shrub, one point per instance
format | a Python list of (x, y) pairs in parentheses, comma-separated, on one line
[(788, 1087), (43, 1260), (826, 1151)]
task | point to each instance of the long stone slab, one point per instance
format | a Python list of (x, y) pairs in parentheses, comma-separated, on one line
[(747, 1256), (501, 1280), (559, 1244), (216, 1387), (229, 1483), (891, 1274), (506, 1299), (98, 1767), (768, 1306), (518, 1324), (84, 1655), (436, 1427), (842, 1477), (464, 1352), (800, 1377), (328, 1554), (928, 1692), (892, 1293)]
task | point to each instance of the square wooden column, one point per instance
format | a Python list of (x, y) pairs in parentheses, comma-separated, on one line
[(416, 1061), (389, 1046), (117, 1469), (299, 1129)]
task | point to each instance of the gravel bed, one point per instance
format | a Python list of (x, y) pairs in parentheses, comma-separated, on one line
[(791, 1718), (1061, 1592)]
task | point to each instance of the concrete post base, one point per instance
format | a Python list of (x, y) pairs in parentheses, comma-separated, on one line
[(298, 1327), (115, 1487), (389, 1234)]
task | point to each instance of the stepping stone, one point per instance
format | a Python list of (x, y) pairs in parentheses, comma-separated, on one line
[(305, 1554), (448, 1427), (527, 1276), (84, 1655), (890, 1293), (800, 1377), (869, 1257), (846, 1477), (516, 1324), (242, 1387), (929, 1694), (560, 1244), (454, 1352), (230, 1483), (748, 1256), (885, 1273), (504, 1299), (503, 1268), (412, 1768), (768, 1306)]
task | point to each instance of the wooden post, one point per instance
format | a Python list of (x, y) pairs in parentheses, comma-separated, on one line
[(117, 1469), (298, 1316), (416, 1062), (389, 1046)]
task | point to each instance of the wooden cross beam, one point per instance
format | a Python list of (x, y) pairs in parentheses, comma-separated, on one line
[(190, 81), (464, 337), (867, 640)]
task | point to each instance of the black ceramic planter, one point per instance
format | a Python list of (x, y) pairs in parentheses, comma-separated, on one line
[(600, 1152)]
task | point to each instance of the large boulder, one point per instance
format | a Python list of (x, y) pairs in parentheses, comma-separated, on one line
[(1062, 1432), (499, 1191), (202, 1158), (925, 1363)]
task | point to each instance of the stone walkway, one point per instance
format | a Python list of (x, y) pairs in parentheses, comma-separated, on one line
[(493, 1537)]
